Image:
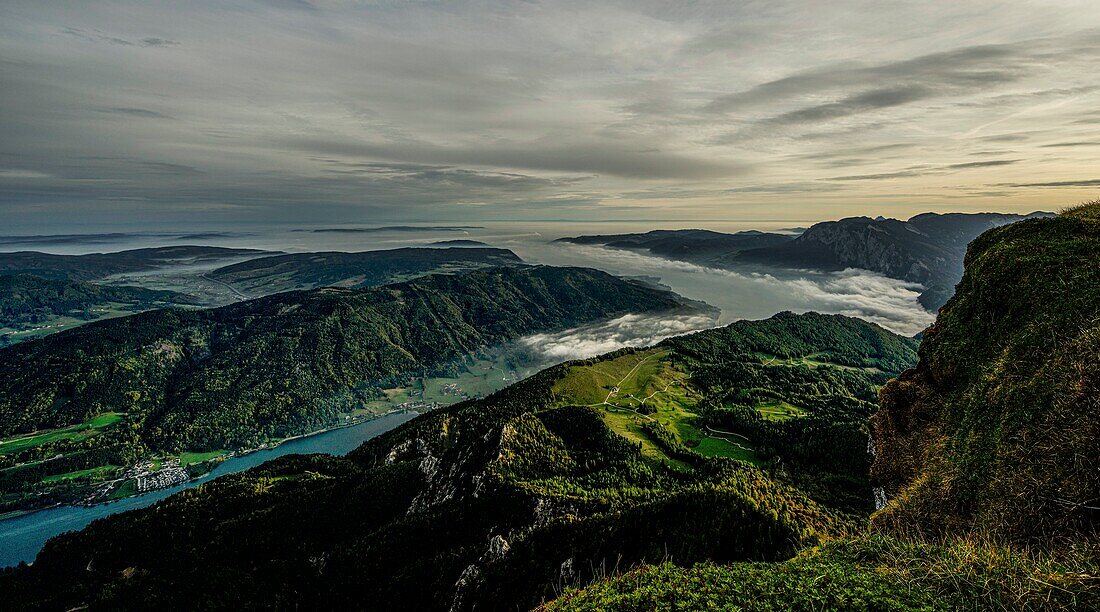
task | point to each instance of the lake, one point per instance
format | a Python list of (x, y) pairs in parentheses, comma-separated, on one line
[(23, 536), (739, 294)]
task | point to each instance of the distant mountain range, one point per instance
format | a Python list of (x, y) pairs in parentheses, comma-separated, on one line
[(704, 247), (42, 287), (458, 243), (926, 249), (393, 228), (266, 275), (95, 266)]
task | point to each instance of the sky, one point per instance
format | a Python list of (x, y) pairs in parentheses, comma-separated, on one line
[(373, 111)]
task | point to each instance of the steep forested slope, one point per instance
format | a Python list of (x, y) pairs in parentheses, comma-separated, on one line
[(76, 406), (268, 367), (493, 504)]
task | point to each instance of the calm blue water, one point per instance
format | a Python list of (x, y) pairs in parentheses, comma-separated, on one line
[(22, 537)]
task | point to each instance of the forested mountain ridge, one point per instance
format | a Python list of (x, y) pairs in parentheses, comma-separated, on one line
[(265, 275), (503, 502), (290, 348), (238, 376), (926, 249)]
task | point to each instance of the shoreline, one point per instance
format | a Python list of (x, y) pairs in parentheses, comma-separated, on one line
[(213, 463)]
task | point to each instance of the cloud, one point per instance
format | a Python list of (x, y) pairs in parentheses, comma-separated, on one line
[(913, 79), (628, 330), (97, 36), (754, 292), (862, 102), (244, 110), (136, 112), (1077, 183), (1070, 144), (982, 164), (588, 156), (937, 170), (153, 41)]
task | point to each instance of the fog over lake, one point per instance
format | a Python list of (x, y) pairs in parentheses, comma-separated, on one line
[(748, 293)]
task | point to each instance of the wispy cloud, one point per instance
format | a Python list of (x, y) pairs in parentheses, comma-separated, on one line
[(1075, 183), (275, 110)]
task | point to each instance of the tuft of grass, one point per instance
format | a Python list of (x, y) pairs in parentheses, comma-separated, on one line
[(1084, 210), (869, 573)]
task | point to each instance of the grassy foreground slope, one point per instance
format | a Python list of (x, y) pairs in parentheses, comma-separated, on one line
[(499, 503), (871, 573)]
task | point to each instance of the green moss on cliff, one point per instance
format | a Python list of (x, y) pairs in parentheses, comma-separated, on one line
[(998, 428)]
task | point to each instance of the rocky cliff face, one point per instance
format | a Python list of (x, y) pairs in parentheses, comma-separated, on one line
[(997, 429), (881, 246)]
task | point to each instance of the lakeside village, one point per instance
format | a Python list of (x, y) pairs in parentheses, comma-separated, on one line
[(162, 473), (154, 474)]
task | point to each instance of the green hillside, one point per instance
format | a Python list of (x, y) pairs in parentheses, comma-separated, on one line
[(241, 375), (873, 574), (988, 451)]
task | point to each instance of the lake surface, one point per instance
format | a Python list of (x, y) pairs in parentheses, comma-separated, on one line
[(23, 536)]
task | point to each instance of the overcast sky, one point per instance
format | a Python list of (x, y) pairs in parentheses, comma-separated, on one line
[(375, 111)]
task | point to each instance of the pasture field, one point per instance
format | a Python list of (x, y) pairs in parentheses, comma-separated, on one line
[(187, 458), (82, 431), (779, 410), (97, 473), (645, 386)]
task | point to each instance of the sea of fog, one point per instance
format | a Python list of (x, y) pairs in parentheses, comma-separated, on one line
[(740, 294)]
